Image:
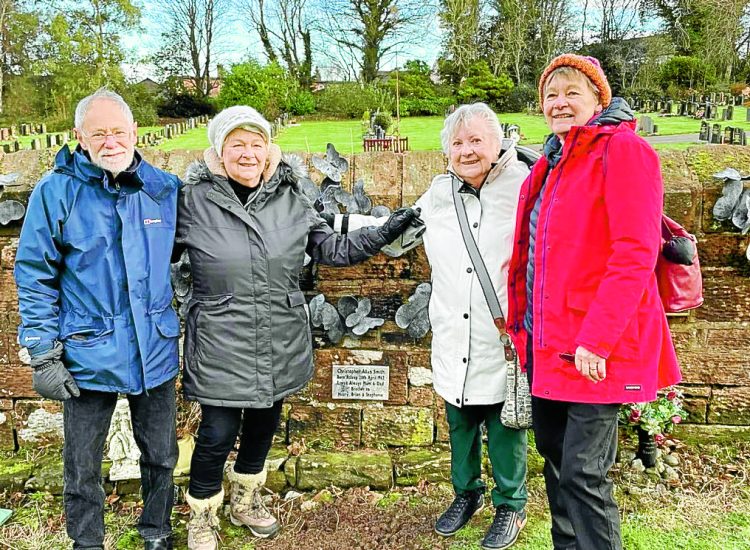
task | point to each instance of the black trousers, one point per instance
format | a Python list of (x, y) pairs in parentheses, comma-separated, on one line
[(86, 423), (217, 435), (578, 442)]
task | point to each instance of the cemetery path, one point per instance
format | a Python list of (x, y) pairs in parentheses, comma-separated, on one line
[(676, 138)]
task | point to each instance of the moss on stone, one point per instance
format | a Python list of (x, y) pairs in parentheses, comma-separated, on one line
[(414, 465), (14, 473), (345, 469)]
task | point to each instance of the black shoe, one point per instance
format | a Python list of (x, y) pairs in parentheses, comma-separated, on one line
[(164, 543), (459, 512), (504, 529)]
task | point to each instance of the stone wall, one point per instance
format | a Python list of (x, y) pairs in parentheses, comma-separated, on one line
[(713, 342)]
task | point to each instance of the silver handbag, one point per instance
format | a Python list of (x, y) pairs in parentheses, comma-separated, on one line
[(516, 411)]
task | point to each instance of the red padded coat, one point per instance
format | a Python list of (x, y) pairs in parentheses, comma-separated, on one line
[(598, 237)]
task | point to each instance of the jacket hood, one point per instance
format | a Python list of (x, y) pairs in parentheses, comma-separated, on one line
[(76, 164), (618, 111)]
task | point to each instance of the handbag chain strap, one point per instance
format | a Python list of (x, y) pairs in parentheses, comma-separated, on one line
[(481, 270)]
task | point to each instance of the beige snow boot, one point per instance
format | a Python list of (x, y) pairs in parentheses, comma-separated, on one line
[(204, 521), (246, 504)]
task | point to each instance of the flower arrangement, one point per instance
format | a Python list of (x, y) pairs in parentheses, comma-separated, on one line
[(656, 418)]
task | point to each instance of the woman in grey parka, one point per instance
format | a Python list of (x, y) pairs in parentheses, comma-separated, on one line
[(247, 226)]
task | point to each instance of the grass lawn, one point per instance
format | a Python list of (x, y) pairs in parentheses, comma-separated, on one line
[(423, 133)]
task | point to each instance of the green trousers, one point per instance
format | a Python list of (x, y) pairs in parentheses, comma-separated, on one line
[(507, 451)]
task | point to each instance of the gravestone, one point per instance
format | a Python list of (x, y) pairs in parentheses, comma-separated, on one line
[(42, 128), (36, 144), (723, 114), (64, 138), (15, 146), (25, 130), (4, 134), (747, 115), (6, 147), (730, 112), (742, 137), (716, 133), (705, 133), (50, 140), (670, 107), (647, 125), (728, 135)]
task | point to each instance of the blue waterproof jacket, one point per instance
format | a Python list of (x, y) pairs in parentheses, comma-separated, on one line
[(92, 271)]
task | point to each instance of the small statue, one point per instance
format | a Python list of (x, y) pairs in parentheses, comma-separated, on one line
[(122, 448)]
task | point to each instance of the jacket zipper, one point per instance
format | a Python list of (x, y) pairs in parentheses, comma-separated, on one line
[(544, 236)]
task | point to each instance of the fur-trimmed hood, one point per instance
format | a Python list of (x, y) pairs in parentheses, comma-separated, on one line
[(280, 168)]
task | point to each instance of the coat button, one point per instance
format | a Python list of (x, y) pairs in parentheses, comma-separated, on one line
[(464, 359), (458, 401), (469, 270), (466, 315), (476, 224)]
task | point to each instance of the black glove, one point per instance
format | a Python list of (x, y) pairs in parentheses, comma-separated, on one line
[(679, 250), (51, 379), (329, 218), (397, 223)]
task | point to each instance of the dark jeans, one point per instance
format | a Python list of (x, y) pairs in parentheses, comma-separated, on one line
[(578, 442), (217, 434), (86, 419)]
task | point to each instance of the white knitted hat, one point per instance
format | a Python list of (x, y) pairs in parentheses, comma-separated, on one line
[(232, 118)]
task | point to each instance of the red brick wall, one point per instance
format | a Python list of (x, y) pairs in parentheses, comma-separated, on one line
[(713, 342)]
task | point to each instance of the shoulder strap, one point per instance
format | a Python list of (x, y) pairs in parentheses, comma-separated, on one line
[(481, 270)]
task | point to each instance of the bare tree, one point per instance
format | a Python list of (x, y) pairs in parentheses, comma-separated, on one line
[(510, 35), (285, 30), (192, 30), (618, 19), (371, 30), (554, 29), (460, 20)]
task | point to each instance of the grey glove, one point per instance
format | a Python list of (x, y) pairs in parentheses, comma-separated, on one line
[(51, 379), (397, 223)]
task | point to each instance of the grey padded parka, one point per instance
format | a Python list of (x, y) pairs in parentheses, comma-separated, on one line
[(247, 339)]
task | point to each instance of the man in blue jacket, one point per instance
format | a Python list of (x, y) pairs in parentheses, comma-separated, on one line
[(94, 293)]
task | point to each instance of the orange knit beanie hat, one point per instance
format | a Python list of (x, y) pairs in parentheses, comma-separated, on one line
[(589, 66)]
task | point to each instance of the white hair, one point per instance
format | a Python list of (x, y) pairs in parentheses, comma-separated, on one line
[(462, 116), (102, 93)]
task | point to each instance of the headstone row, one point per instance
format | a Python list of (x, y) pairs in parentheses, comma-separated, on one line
[(27, 129), (711, 133)]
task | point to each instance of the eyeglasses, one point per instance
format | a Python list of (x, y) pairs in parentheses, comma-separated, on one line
[(101, 137)]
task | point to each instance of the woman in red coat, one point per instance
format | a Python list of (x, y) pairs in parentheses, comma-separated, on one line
[(584, 310)]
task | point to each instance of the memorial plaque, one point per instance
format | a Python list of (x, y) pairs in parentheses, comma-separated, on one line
[(360, 382)]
